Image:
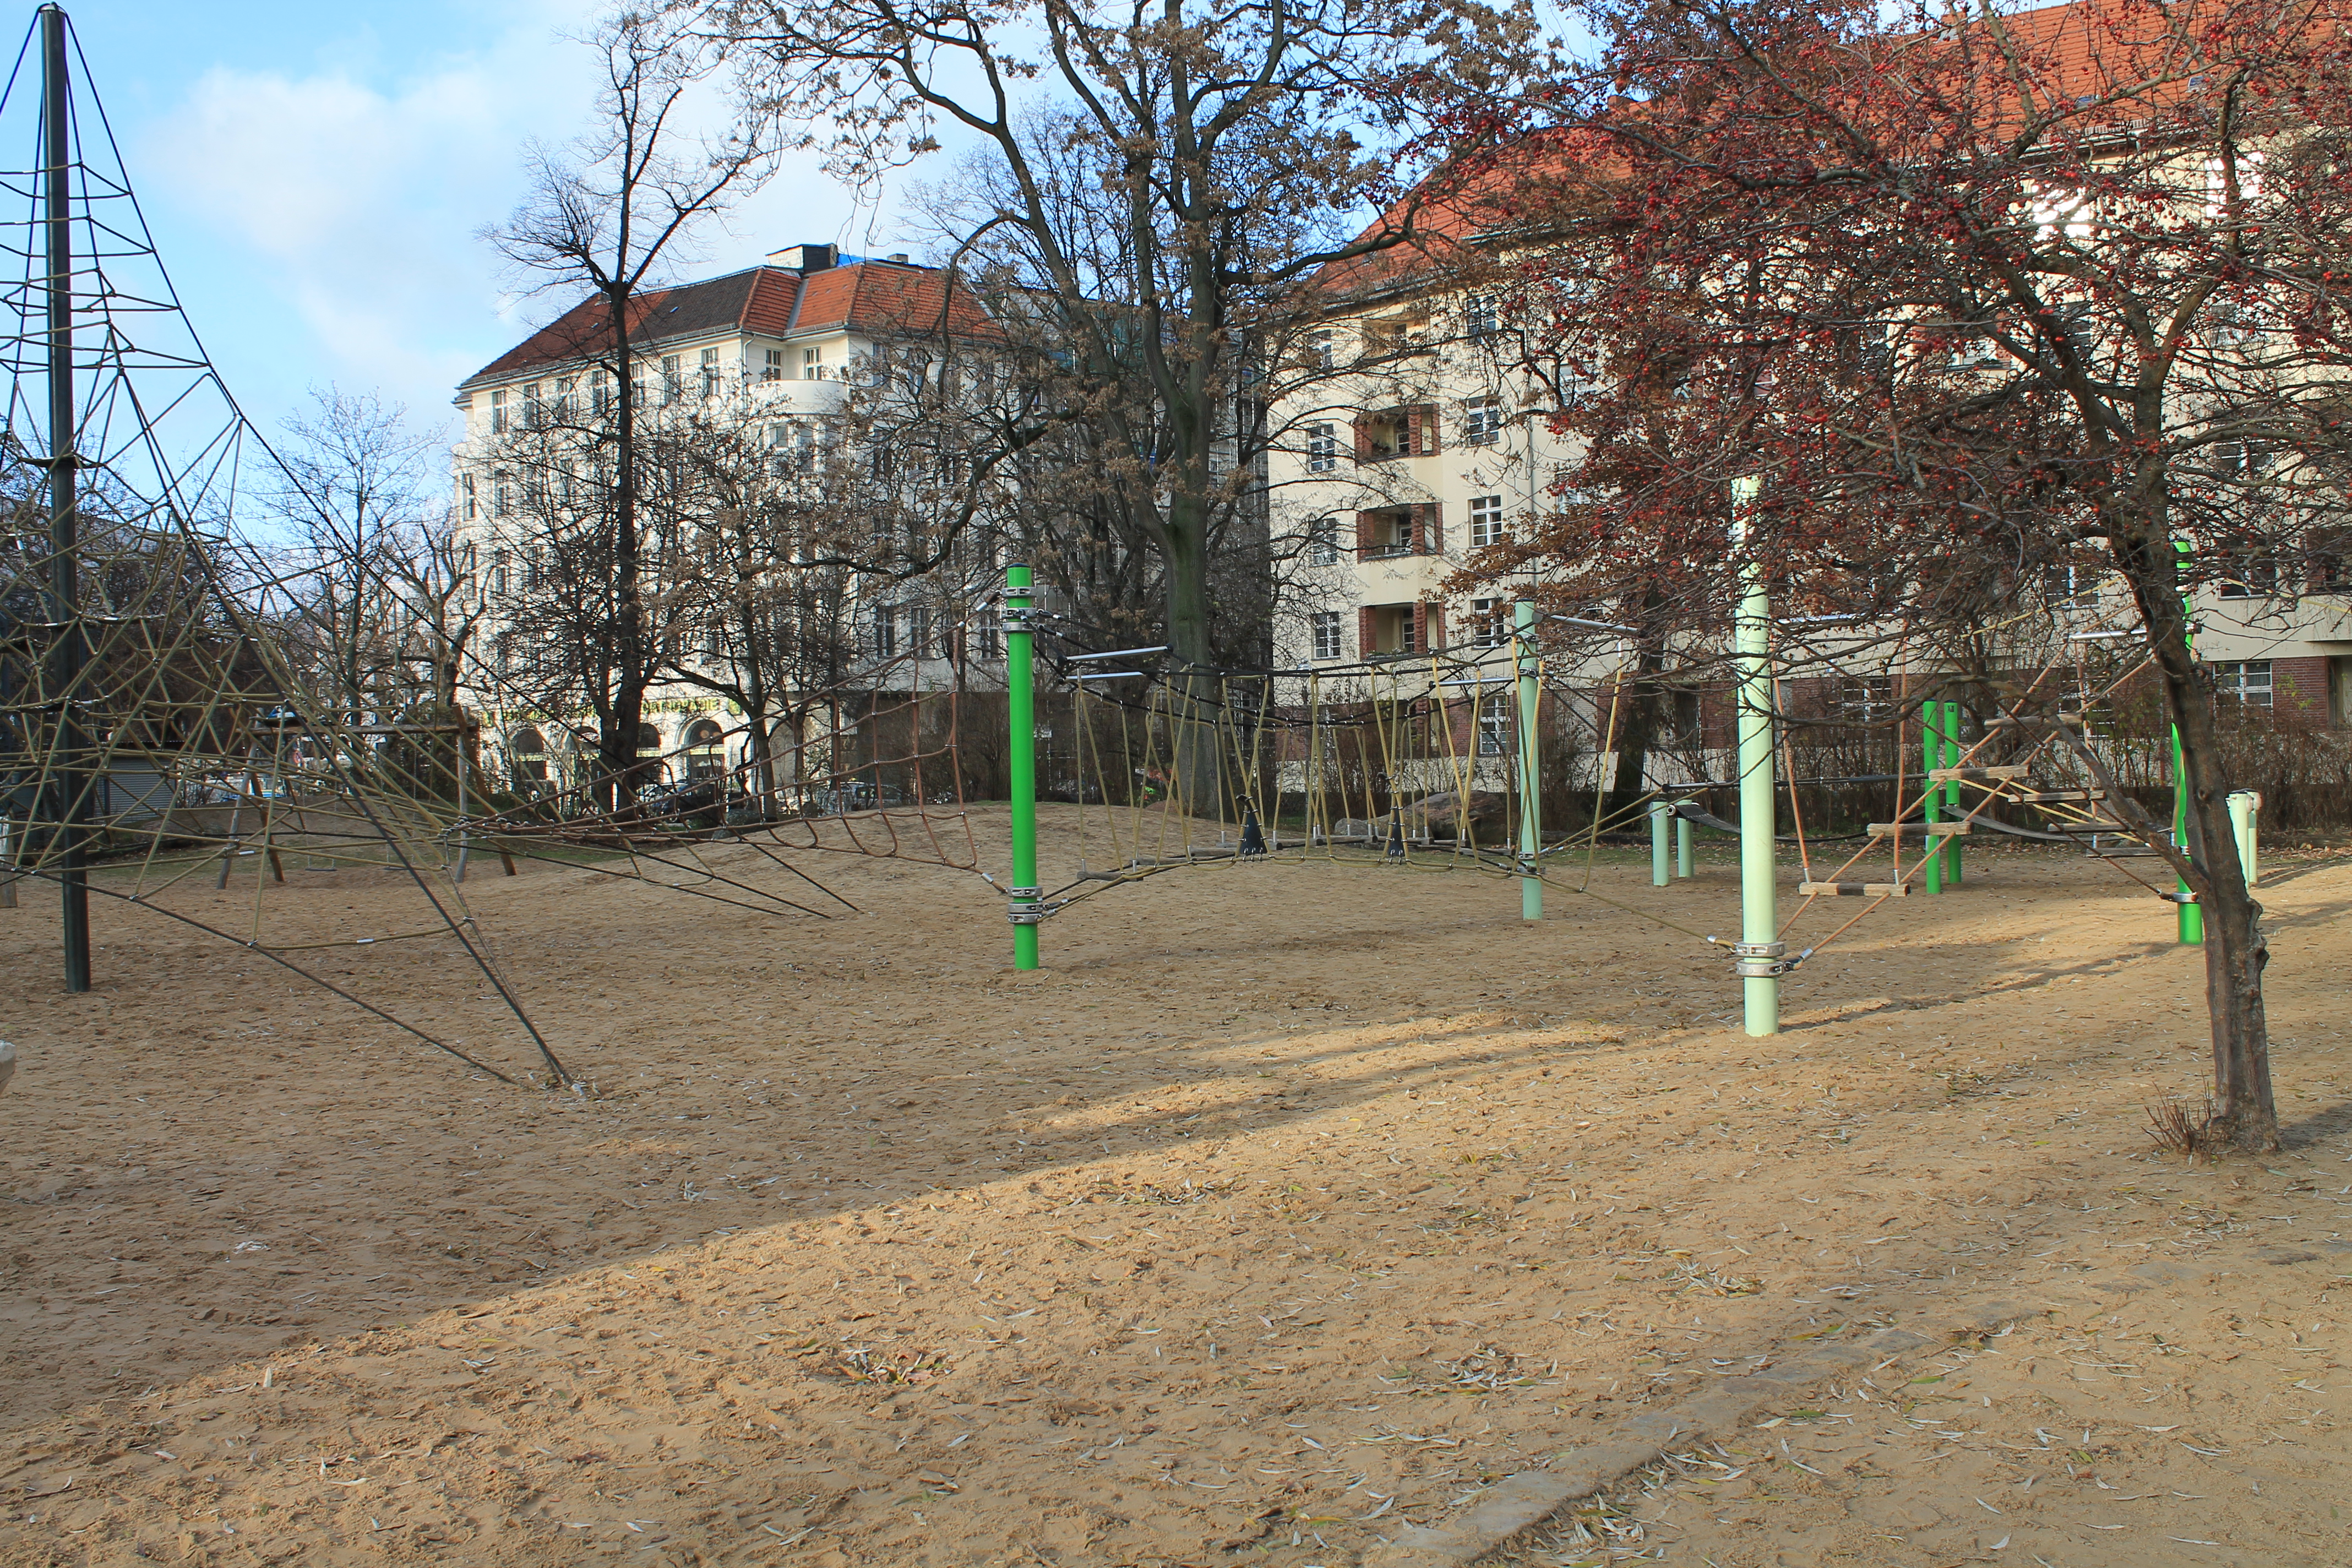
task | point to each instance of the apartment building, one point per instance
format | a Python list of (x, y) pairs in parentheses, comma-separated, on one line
[(799, 352)]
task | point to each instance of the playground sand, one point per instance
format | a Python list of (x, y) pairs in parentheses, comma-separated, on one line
[(1286, 1210)]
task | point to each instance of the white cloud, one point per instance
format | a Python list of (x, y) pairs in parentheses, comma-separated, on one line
[(360, 204), (346, 211)]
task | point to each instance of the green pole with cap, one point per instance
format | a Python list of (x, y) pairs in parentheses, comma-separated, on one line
[(1021, 721)]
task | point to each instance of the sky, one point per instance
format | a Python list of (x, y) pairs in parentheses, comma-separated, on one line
[(316, 177)]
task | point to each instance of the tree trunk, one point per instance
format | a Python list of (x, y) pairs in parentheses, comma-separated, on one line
[(1198, 692), (2246, 1116), (1637, 732)]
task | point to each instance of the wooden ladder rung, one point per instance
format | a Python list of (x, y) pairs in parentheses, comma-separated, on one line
[(2003, 721), (1974, 775), (1854, 889), (2052, 796), (1939, 829)]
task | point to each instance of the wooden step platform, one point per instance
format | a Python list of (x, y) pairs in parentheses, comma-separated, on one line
[(1854, 889), (2053, 796), (1974, 775), (1937, 829)]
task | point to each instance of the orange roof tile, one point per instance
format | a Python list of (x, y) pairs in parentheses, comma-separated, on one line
[(878, 298)]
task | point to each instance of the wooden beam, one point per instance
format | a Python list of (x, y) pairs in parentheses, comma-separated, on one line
[(1974, 775), (1854, 889), (1939, 829)]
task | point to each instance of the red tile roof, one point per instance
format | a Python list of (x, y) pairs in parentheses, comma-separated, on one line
[(878, 298)]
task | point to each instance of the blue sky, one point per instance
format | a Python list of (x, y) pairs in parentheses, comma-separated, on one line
[(315, 176)]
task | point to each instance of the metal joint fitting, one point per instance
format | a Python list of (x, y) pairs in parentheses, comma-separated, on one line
[(1759, 960), (1022, 906)]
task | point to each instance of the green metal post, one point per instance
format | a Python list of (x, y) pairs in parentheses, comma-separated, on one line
[(1759, 955), (1021, 712), (2192, 914), (1931, 748), (1955, 809), (1682, 846), (1659, 811), (1523, 657)]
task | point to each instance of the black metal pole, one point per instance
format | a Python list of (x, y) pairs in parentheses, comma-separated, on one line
[(70, 766)]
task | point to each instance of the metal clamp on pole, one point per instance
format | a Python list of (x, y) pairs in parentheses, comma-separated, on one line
[(1022, 906), (1759, 960)]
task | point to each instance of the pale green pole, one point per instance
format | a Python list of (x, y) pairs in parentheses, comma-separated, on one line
[(1021, 721), (1759, 954), (2244, 804), (1682, 846), (1660, 858), (1523, 657), (2192, 913)]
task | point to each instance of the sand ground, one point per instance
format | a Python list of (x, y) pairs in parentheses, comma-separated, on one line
[(1285, 1207)]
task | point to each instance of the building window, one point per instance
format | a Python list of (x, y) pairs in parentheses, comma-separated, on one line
[(1323, 542), (1478, 317), (600, 394), (673, 379), (502, 496), (2249, 576), (1482, 421), (498, 411), (1320, 353), (1494, 724), (500, 583), (886, 631), (771, 364), (1485, 521), (711, 372), (988, 632), (813, 366), (1322, 448), (1325, 625), (1865, 698), (2070, 587), (2246, 679), (1489, 627), (563, 386), (1409, 432), (468, 503)]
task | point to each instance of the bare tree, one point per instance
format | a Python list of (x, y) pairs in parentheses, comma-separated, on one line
[(349, 486), (606, 214), (1978, 297), (1152, 213)]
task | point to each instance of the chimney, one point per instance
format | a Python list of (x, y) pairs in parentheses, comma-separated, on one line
[(899, 256), (803, 257)]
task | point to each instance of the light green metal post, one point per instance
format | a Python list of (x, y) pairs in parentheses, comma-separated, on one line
[(2192, 914), (1523, 657), (1021, 721), (1955, 809), (2243, 806), (1759, 953), (1659, 813), (1682, 846), (1931, 750)]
